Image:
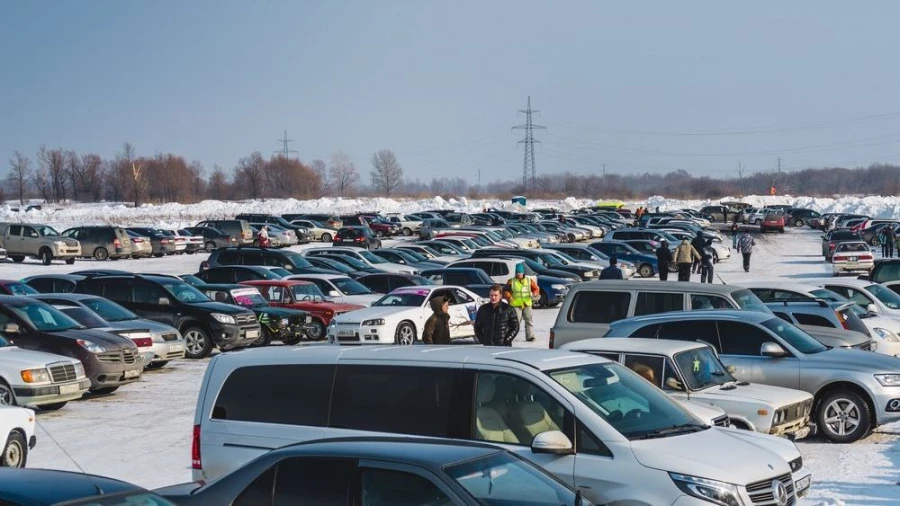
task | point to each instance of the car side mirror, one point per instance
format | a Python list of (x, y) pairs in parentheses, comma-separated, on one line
[(872, 308), (731, 369), (673, 383), (164, 301), (334, 293), (772, 350), (553, 442), (11, 328)]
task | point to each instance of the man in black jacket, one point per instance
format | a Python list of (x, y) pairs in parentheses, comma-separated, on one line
[(496, 323), (698, 243), (663, 259)]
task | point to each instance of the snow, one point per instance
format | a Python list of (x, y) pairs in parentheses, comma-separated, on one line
[(142, 433)]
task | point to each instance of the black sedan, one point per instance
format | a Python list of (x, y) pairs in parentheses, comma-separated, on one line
[(382, 472), (44, 487)]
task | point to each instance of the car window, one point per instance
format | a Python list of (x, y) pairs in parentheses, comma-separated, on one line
[(308, 387), (691, 330), (145, 293), (43, 285), (658, 302), (274, 293), (811, 319), (220, 275), (701, 368), (887, 297), (512, 410), (314, 481), (649, 367), (856, 296), (17, 288), (501, 479), (740, 338), (795, 337), (228, 258), (706, 301), (381, 487), (599, 306), (747, 300)]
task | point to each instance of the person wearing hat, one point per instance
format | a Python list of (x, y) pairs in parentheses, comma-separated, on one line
[(663, 259), (685, 256), (437, 326), (613, 271), (519, 292)]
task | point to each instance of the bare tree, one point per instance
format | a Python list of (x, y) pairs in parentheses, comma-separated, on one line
[(20, 174), (321, 170), (53, 163), (217, 186), (250, 176), (387, 174), (344, 175), (139, 182)]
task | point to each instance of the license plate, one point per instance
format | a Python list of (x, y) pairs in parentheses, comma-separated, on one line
[(134, 373), (802, 484), (309, 319), (853, 259), (68, 389), (176, 347), (346, 333), (252, 334)]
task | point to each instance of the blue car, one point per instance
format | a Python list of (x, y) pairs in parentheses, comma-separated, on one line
[(646, 264)]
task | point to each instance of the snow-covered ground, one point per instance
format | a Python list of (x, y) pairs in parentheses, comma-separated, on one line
[(142, 433)]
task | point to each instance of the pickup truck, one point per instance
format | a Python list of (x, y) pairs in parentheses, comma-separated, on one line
[(37, 241)]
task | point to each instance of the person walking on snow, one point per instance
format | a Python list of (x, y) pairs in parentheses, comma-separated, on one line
[(734, 234), (698, 243), (685, 255), (745, 247), (613, 271), (496, 323), (706, 263), (520, 290), (437, 326), (663, 259)]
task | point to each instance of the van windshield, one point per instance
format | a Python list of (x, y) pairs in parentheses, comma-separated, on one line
[(626, 401), (800, 340), (885, 295)]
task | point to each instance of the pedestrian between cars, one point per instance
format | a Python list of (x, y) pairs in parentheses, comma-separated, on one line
[(706, 262), (264, 237), (437, 326), (685, 255), (886, 238), (520, 290), (496, 323), (734, 233), (745, 247), (663, 259), (698, 243), (613, 271)]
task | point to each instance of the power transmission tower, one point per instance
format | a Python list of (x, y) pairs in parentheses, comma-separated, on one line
[(285, 152), (529, 141)]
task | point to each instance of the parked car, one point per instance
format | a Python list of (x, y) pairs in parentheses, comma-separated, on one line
[(45, 487), (408, 225), (352, 266), (166, 342), (13, 287), (213, 238), (160, 243), (358, 237), (854, 391), (850, 257), (527, 401), (328, 220), (109, 361), (302, 233), (884, 270), (693, 371), (239, 229), (544, 259), (367, 257), (407, 257), (101, 242), (236, 274), (141, 247), (772, 222), (317, 231), (276, 323), (831, 239), (647, 265), (388, 471), (34, 240), (37, 379), (305, 296), (290, 260), (471, 278), (800, 217), (53, 283), (179, 241), (815, 315), (340, 288), (205, 324), (386, 282), (16, 436)]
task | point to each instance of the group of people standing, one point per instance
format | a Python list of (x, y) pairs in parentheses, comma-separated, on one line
[(695, 256), (887, 238)]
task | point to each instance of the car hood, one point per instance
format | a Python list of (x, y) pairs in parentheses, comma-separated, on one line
[(220, 307), (844, 360), (281, 312), (15, 357), (107, 340), (752, 393), (362, 300), (835, 338), (360, 315), (712, 454), (704, 411)]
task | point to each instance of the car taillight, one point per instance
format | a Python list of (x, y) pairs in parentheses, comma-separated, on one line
[(195, 449), (360, 239), (831, 245), (143, 342), (843, 320), (552, 338), (164, 241)]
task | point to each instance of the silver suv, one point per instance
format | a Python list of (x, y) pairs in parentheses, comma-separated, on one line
[(854, 391)]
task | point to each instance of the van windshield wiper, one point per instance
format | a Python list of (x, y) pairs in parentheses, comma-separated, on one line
[(674, 429)]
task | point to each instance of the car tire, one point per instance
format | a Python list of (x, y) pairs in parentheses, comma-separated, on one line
[(757, 222), (405, 334), (798, 223), (209, 246), (46, 256), (157, 365), (873, 241), (290, 341), (326, 237), (52, 407), (836, 411), (265, 338), (103, 390), (379, 233), (101, 254), (7, 396), (17, 258), (316, 331), (645, 270), (15, 451), (715, 257), (197, 343), (406, 231)]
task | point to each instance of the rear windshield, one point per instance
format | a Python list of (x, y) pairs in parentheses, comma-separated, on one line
[(747, 300)]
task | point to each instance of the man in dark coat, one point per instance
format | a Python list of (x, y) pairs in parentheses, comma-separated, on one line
[(437, 326), (663, 260), (496, 323), (698, 243), (613, 271), (707, 257)]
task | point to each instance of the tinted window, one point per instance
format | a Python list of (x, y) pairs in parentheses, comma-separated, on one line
[(259, 492), (382, 398), (216, 276), (228, 258), (741, 338), (381, 487), (588, 443), (797, 338), (599, 307), (15, 230), (811, 319), (294, 395), (42, 285), (120, 292), (652, 303), (646, 331), (314, 482), (690, 331), (746, 300), (148, 294)]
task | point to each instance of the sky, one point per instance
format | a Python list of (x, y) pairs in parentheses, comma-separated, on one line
[(637, 86)]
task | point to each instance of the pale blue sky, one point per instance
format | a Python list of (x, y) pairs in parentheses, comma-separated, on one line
[(815, 82)]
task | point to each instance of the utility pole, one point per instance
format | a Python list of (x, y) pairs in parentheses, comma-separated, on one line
[(529, 141), (741, 177), (478, 186), (285, 152)]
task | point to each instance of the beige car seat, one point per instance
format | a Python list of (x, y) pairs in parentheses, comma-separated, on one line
[(533, 417), (489, 425)]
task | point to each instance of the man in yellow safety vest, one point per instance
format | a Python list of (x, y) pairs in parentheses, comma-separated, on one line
[(519, 292)]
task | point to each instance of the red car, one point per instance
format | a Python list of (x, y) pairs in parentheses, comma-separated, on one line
[(13, 287), (772, 222), (303, 295)]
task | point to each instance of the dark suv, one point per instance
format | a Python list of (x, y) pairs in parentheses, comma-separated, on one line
[(379, 228), (167, 299), (302, 232), (289, 260), (360, 237)]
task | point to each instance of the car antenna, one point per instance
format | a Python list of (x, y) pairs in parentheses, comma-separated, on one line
[(39, 424), (720, 279)]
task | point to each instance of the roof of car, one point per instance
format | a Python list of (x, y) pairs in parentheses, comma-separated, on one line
[(670, 286), (780, 284), (32, 487), (66, 296), (279, 282), (317, 276), (639, 345), (70, 277), (699, 314), (862, 283)]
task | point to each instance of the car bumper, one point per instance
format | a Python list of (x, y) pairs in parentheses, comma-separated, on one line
[(802, 482), (37, 396), (165, 351), (354, 333), (841, 268), (798, 429), (66, 253), (228, 337), (113, 374), (887, 405)]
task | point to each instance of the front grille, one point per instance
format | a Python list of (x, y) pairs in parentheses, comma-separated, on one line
[(109, 357), (127, 356), (62, 373), (354, 337), (722, 421), (797, 411), (170, 337), (130, 356), (763, 493), (243, 319)]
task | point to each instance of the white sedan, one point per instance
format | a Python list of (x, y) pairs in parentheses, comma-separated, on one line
[(852, 256), (399, 317), (38, 379), (16, 435)]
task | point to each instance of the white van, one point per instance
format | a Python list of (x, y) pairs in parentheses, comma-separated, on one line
[(591, 422)]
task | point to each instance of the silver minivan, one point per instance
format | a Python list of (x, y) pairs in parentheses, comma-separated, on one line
[(591, 422)]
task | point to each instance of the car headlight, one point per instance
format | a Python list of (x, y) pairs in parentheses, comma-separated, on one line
[(90, 346), (373, 322), (888, 380), (887, 335), (716, 492), (60, 244), (223, 318), (79, 370), (36, 376), (559, 287)]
